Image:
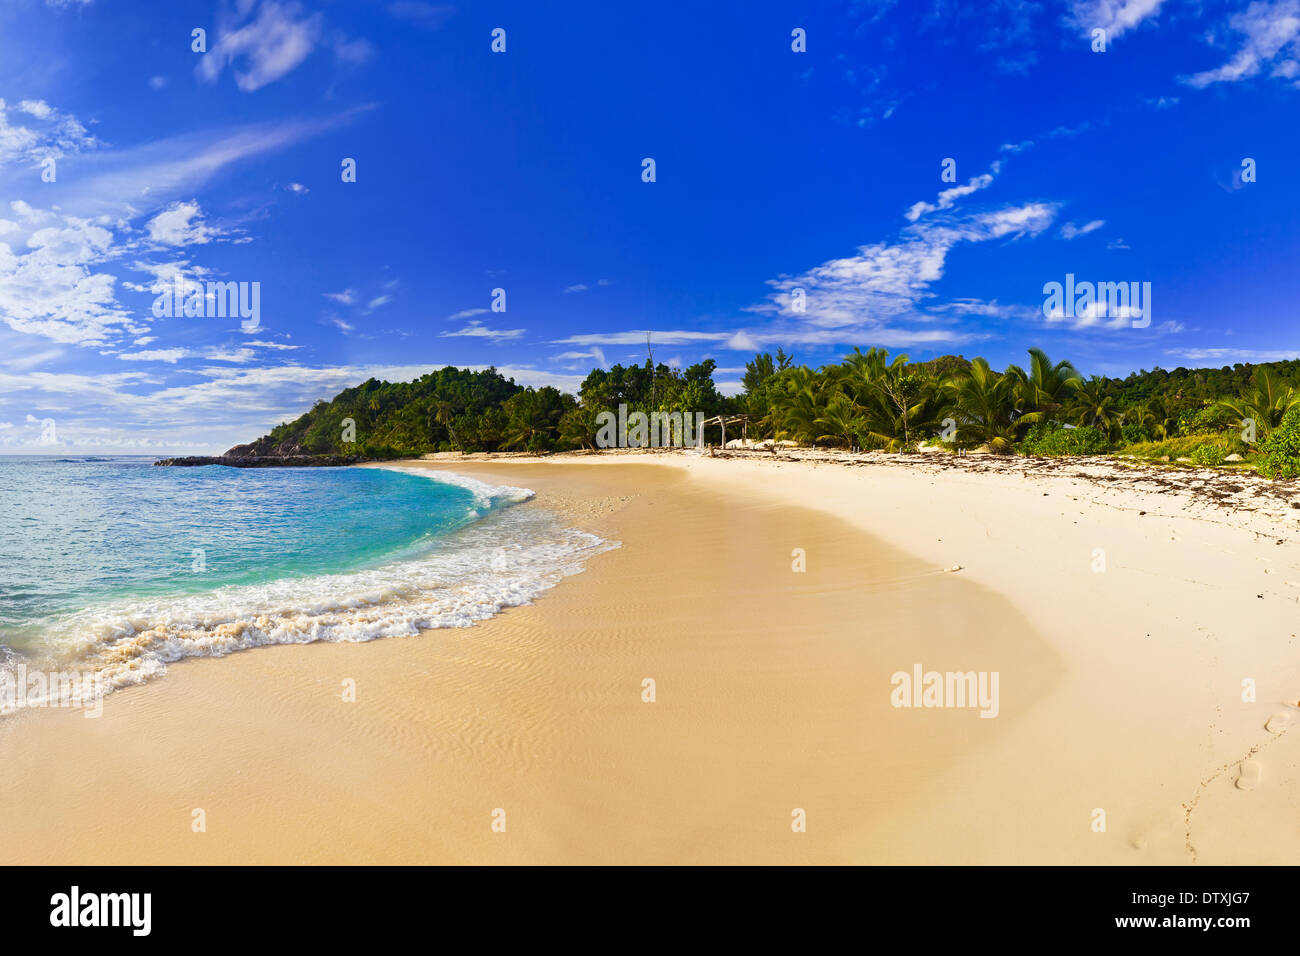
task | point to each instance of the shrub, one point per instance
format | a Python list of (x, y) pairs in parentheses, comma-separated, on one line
[(1185, 446), (1208, 455), (1052, 438), (1279, 452), (1132, 433), (1211, 418)]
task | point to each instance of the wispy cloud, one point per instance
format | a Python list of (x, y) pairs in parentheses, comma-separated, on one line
[(1268, 37), (264, 48), (426, 16), (948, 198), (890, 280), (1071, 231), (476, 329), (1116, 17), (145, 178), (1215, 355), (33, 131)]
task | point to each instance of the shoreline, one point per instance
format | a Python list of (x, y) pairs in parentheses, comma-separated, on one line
[(773, 690)]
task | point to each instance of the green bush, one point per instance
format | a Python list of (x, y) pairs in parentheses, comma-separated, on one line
[(1133, 434), (1211, 418), (1052, 438), (1279, 452), (1208, 455), (1185, 446)]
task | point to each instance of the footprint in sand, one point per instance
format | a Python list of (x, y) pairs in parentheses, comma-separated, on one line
[(1279, 723), (1164, 828), (1249, 773)]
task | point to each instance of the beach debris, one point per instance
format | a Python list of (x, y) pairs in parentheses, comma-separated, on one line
[(1279, 723), (955, 567), (1249, 773)]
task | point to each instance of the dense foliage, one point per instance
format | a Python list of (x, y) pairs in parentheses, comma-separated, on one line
[(868, 400), (1279, 453), (457, 410)]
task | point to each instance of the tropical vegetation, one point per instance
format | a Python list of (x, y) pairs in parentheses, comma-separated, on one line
[(869, 400)]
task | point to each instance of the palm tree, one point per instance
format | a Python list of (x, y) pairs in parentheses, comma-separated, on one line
[(895, 400), (443, 412), (797, 405), (1045, 389), (1154, 416), (528, 421), (1092, 406), (1264, 402), (984, 401), (578, 426), (842, 421)]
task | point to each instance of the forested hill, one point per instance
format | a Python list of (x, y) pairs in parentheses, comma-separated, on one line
[(457, 410), (868, 400)]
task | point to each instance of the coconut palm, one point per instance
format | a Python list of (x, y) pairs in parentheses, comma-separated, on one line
[(1044, 389), (1092, 406), (578, 426), (841, 421), (1264, 401), (796, 405), (443, 412), (1154, 416), (983, 402)]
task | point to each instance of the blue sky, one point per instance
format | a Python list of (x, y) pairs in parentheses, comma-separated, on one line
[(522, 170)]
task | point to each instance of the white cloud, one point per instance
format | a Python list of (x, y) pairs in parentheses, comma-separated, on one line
[(465, 314), (54, 290), (427, 16), (638, 338), (1232, 356), (890, 280), (264, 49), (181, 224), (143, 179), (346, 297), (1268, 31), (1116, 17), (38, 108), (41, 132), (1071, 231), (595, 354), (476, 329), (948, 198), (157, 355)]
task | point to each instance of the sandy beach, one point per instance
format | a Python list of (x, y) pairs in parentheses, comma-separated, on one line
[(1121, 610)]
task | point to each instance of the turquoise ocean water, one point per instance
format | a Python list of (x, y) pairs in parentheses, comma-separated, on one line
[(111, 566)]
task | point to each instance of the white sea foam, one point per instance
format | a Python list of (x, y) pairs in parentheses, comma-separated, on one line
[(486, 496), (505, 559)]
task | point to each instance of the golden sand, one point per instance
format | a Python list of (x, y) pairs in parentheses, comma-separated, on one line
[(1120, 691)]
